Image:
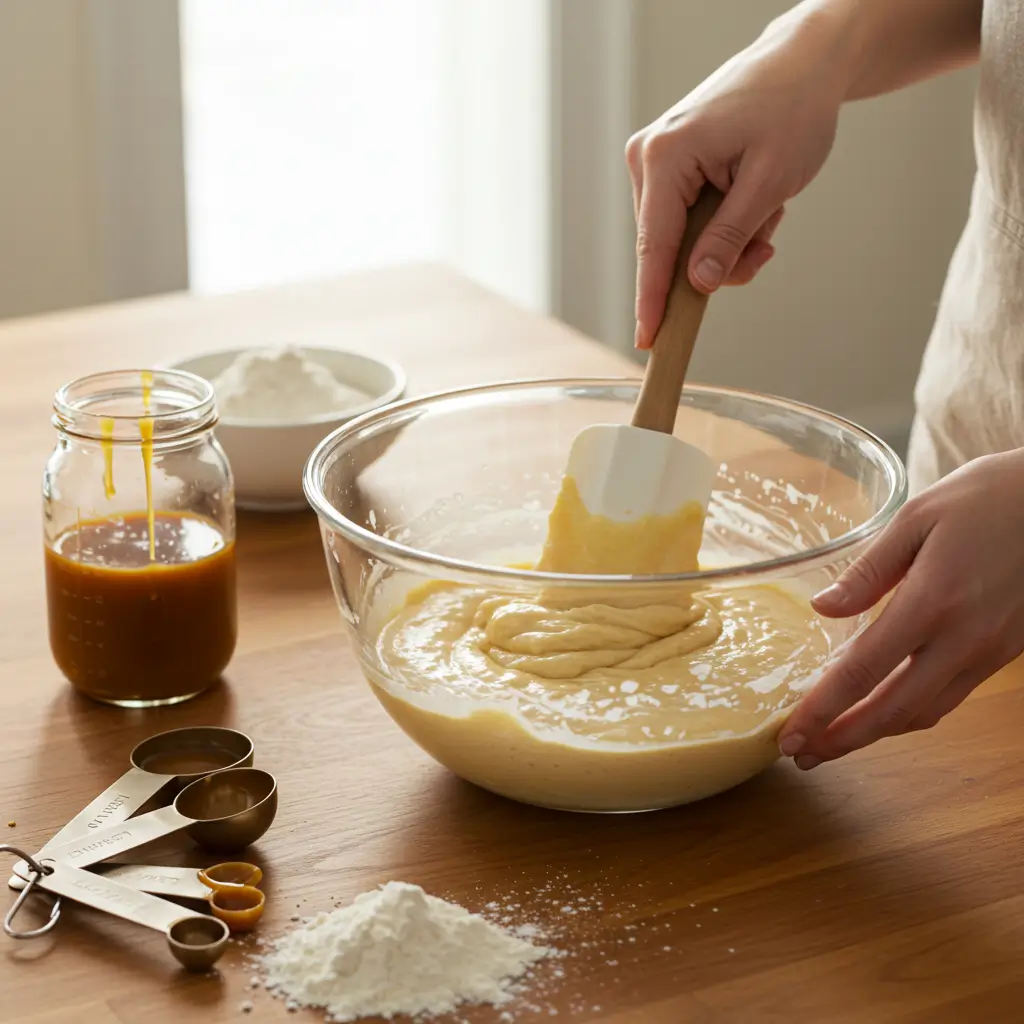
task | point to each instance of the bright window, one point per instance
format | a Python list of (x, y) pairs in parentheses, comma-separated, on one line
[(315, 137)]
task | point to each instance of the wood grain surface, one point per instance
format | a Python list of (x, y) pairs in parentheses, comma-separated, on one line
[(886, 888)]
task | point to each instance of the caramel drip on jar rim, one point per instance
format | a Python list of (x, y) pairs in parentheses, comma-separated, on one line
[(146, 432), (107, 427), (107, 444)]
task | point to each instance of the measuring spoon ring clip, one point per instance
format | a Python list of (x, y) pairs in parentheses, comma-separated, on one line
[(37, 872)]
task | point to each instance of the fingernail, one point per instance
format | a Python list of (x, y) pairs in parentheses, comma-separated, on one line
[(835, 595), (792, 744), (807, 762), (639, 337), (710, 272)]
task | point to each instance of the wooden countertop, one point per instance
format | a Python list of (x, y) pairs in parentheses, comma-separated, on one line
[(888, 887)]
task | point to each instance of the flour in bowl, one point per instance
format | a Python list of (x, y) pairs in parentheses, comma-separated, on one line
[(281, 384), (397, 950)]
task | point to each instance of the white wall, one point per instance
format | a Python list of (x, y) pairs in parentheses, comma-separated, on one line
[(498, 147), (592, 229), (841, 315), (91, 180)]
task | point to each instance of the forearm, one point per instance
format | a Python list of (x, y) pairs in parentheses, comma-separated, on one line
[(877, 46)]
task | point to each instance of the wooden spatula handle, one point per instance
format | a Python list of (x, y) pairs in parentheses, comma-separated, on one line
[(673, 345)]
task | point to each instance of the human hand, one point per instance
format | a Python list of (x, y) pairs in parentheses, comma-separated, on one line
[(759, 129), (955, 557)]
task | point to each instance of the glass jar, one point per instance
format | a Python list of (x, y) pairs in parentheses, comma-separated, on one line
[(139, 536)]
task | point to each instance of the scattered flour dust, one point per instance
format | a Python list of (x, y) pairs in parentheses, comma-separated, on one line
[(281, 384), (398, 950)]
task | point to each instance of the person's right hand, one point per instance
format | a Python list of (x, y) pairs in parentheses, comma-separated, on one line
[(759, 129)]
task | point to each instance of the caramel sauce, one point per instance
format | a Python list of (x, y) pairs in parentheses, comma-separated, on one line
[(142, 607)]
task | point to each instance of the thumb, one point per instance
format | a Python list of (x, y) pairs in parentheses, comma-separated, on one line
[(746, 207), (869, 578)]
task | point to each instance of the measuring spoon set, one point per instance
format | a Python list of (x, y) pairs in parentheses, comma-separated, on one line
[(220, 800)]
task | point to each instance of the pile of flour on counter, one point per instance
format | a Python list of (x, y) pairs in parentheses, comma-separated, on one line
[(398, 950), (281, 384)]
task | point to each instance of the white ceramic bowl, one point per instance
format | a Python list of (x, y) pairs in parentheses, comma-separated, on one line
[(267, 458)]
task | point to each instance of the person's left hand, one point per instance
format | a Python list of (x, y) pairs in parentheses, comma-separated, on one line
[(955, 555)]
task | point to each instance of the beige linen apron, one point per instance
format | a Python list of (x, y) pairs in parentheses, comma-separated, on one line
[(970, 393)]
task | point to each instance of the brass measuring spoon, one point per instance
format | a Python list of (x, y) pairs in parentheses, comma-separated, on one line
[(185, 883), (173, 758), (230, 888), (196, 941), (223, 812)]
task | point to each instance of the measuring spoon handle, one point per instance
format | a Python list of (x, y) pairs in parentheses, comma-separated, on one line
[(115, 804), (113, 840), (112, 897), (162, 881)]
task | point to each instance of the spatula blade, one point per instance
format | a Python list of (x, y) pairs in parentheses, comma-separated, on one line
[(626, 473)]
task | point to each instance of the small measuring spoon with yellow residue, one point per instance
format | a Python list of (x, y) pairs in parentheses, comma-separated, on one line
[(231, 889)]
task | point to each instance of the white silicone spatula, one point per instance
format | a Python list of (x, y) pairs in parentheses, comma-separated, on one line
[(628, 472)]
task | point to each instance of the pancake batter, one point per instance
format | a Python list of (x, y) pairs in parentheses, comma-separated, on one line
[(585, 699)]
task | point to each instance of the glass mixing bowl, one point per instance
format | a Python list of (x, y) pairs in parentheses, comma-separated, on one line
[(433, 511)]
